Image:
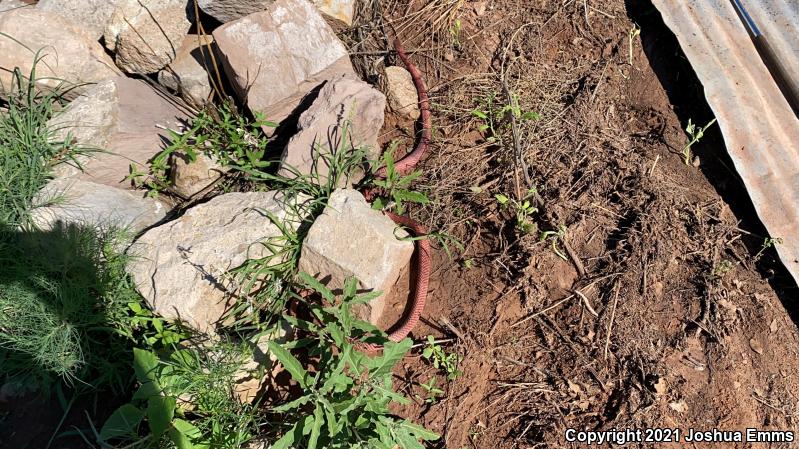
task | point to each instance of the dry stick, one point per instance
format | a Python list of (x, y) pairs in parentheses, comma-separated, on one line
[(530, 317), (612, 318), (217, 84)]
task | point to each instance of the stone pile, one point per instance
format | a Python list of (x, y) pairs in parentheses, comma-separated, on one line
[(126, 62)]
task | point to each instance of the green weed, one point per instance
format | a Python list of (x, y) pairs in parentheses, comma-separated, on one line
[(494, 115), (28, 148), (554, 236), (523, 209), (441, 360), (345, 399), (396, 187), (694, 135), (433, 392)]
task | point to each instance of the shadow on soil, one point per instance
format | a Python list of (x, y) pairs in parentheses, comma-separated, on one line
[(687, 95)]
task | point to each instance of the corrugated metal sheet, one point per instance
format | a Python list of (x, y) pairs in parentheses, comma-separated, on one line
[(760, 130)]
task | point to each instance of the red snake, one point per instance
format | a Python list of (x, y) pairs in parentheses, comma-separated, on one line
[(403, 167)]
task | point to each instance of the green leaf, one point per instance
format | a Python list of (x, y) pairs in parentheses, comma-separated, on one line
[(479, 114), (293, 435), (187, 428), (123, 422), (160, 411), (144, 364), (297, 403), (318, 421), (289, 362), (392, 353), (407, 195), (180, 439), (317, 286), (419, 431), (501, 199)]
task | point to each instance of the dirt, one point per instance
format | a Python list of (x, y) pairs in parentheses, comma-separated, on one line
[(678, 317), (681, 319)]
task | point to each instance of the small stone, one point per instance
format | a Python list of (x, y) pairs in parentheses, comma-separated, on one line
[(71, 201), (187, 74), (755, 346), (774, 326), (91, 15), (181, 268), (341, 10), (146, 34), (276, 57), (191, 177), (229, 10), (69, 55), (402, 95), (342, 102), (125, 119), (679, 406), (480, 8), (350, 239)]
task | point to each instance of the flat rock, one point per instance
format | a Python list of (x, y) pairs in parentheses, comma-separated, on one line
[(9, 5), (122, 117), (73, 201), (68, 53), (229, 10), (191, 177), (341, 10), (146, 34), (402, 96), (342, 101), (351, 239), (187, 74), (91, 15), (181, 267), (276, 57)]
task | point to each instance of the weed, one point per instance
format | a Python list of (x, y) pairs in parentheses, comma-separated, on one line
[(203, 378), (523, 210), (28, 147), (446, 362), (455, 33), (345, 400), (768, 242), (635, 31), (694, 134), (495, 115), (64, 297), (554, 236), (433, 393), (396, 187)]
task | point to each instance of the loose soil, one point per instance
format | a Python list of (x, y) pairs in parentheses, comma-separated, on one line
[(681, 319), (677, 316)]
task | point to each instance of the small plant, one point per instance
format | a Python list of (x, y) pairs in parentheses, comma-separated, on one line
[(441, 360), (455, 33), (433, 393), (694, 134), (635, 31), (554, 236), (345, 398), (523, 210), (222, 133), (495, 115), (397, 187), (768, 242)]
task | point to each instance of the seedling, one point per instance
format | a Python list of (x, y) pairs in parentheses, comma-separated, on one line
[(554, 236), (494, 115), (433, 393), (523, 209), (441, 360), (768, 242), (635, 31), (695, 135), (397, 187)]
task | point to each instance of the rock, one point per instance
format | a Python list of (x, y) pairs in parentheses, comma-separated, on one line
[(229, 10), (181, 267), (68, 53), (351, 239), (252, 375), (344, 100), (402, 96), (342, 10), (9, 5), (187, 74), (73, 201), (124, 118), (91, 15), (189, 178), (275, 57), (146, 34)]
